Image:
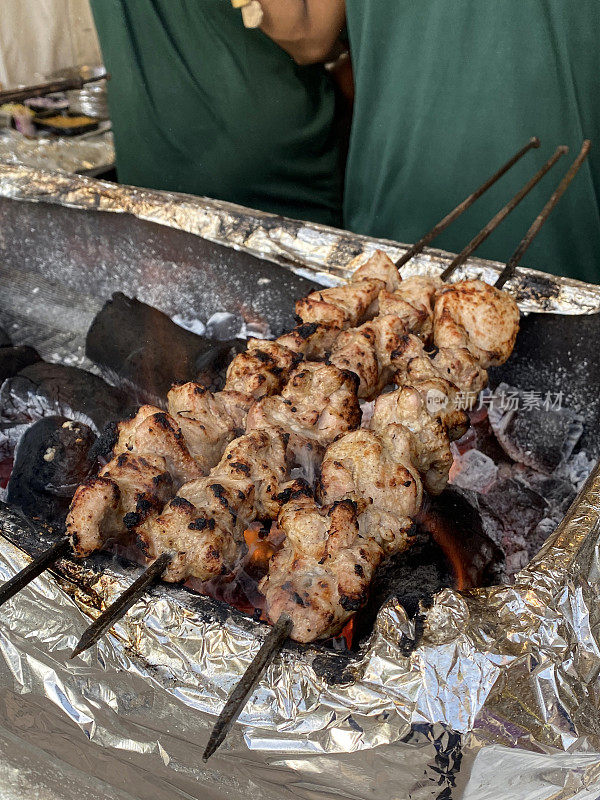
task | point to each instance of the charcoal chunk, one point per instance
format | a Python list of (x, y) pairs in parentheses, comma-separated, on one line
[(539, 437), (559, 353), (42, 390), (5, 340), (142, 348), (52, 459), (14, 359)]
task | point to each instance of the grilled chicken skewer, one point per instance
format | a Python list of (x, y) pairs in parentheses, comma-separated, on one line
[(371, 479), (321, 575), (245, 685), (318, 403)]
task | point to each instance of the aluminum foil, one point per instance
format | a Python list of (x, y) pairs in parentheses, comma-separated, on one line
[(77, 154), (499, 699)]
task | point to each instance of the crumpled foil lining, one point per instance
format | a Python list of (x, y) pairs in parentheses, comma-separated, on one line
[(63, 153), (502, 690)]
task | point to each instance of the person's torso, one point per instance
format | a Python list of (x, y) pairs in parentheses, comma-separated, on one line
[(202, 105), (446, 92)]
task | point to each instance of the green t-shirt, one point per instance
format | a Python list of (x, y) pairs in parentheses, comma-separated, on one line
[(446, 92), (201, 105)]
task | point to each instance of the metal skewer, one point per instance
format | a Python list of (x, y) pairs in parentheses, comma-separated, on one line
[(441, 226), (123, 603), (42, 89), (31, 571), (237, 699), (502, 214), (512, 264)]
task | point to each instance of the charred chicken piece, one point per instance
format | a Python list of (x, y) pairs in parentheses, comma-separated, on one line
[(313, 340), (478, 317), (154, 432), (262, 369), (322, 573), (459, 366), (379, 267), (344, 306), (318, 403), (128, 490), (376, 472), (413, 302), (368, 352), (349, 305), (407, 406), (440, 379), (203, 525), (208, 421)]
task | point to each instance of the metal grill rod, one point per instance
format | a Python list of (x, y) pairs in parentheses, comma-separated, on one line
[(502, 214), (514, 261), (123, 603), (237, 699), (441, 226)]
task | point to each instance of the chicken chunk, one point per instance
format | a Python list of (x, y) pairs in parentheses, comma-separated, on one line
[(201, 548), (379, 267), (344, 306), (479, 317), (127, 491), (368, 351), (313, 340), (321, 575), (262, 369), (413, 302), (431, 454), (318, 403), (208, 421), (376, 472), (461, 368), (203, 526), (154, 432)]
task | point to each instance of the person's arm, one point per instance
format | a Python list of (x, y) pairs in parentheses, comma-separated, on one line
[(307, 29)]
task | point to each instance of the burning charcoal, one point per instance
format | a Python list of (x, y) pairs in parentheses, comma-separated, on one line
[(511, 512), (473, 470), (52, 459), (14, 359), (556, 491), (533, 435), (5, 340), (559, 353), (450, 548), (577, 469), (43, 390), (143, 349)]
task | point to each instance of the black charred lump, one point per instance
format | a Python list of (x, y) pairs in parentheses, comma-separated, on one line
[(53, 458), (350, 603), (14, 359), (4, 338), (150, 352)]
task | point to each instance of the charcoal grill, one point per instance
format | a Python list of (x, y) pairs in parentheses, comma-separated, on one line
[(142, 703)]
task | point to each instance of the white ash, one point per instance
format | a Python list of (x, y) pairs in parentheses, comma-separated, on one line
[(223, 325), (522, 505), (473, 470), (189, 324), (577, 469)]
